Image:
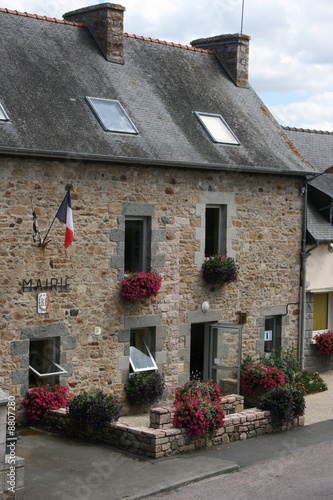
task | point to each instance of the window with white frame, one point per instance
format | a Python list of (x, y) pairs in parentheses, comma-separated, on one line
[(142, 350), (3, 114), (322, 312), (44, 364), (216, 230), (217, 128), (111, 115), (137, 244)]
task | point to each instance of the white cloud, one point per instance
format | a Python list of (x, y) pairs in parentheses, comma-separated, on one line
[(290, 49), (313, 113)]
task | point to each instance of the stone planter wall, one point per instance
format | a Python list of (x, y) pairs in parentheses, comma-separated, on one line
[(161, 439)]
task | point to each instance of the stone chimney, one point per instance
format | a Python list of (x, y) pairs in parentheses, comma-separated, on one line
[(106, 25), (232, 51)]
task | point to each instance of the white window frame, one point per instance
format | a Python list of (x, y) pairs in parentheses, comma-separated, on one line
[(3, 114), (95, 101), (207, 121), (134, 365), (59, 370)]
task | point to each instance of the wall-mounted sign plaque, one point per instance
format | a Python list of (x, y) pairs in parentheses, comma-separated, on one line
[(43, 304)]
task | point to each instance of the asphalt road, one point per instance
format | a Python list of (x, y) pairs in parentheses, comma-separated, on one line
[(301, 475)]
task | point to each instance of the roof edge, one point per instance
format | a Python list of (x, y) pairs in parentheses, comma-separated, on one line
[(65, 155), (41, 18), (83, 25), (307, 130)]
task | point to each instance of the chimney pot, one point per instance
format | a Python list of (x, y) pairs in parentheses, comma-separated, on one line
[(233, 53), (106, 25)]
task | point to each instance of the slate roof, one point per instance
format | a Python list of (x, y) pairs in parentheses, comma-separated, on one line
[(317, 147), (48, 67), (318, 226)]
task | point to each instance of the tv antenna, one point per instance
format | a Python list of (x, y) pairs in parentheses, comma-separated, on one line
[(242, 18)]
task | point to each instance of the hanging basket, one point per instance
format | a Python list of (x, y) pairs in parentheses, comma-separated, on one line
[(140, 285), (220, 269)]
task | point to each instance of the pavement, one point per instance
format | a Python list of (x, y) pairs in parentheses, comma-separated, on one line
[(64, 467)]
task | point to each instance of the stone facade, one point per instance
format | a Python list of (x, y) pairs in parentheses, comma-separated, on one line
[(87, 314)]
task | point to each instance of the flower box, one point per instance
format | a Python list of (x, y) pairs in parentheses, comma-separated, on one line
[(324, 342), (140, 285), (220, 269)]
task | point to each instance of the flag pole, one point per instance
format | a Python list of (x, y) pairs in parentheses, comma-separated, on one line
[(54, 218)]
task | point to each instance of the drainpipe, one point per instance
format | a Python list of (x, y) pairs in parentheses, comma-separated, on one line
[(304, 256)]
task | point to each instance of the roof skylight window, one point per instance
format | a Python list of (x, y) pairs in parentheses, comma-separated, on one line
[(112, 115), (3, 114), (217, 128)]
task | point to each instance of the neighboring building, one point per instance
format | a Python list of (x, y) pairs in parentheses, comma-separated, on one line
[(166, 146), (317, 147)]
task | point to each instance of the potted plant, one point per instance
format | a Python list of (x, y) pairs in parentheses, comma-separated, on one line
[(257, 379), (94, 409), (41, 400), (140, 285), (285, 403), (220, 269), (198, 407), (324, 342), (144, 388)]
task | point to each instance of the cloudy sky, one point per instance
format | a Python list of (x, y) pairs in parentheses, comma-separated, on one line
[(291, 58)]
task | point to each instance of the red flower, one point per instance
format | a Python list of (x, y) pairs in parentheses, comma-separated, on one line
[(140, 285)]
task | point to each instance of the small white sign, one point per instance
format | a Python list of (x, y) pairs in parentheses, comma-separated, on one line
[(268, 335), (43, 303), (216, 361)]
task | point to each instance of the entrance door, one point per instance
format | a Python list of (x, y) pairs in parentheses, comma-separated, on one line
[(225, 346)]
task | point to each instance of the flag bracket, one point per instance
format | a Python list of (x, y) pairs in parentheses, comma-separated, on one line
[(62, 215)]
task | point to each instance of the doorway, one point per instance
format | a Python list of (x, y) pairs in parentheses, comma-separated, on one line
[(216, 354)]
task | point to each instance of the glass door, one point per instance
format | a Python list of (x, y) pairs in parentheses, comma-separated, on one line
[(225, 355)]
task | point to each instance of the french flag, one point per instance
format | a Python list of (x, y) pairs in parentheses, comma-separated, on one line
[(65, 215)]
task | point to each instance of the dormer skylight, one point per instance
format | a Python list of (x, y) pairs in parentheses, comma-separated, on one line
[(3, 114), (217, 129), (111, 115)]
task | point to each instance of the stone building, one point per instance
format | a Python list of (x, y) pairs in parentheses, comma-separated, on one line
[(317, 147), (171, 157)]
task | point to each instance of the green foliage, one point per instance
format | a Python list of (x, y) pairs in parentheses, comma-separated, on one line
[(287, 362), (93, 408), (145, 388), (285, 403), (284, 360), (310, 382)]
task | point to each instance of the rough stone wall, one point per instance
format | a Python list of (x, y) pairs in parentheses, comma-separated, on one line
[(168, 440), (265, 239)]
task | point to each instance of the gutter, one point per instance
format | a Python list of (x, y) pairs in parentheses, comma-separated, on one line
[(147, 161)]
